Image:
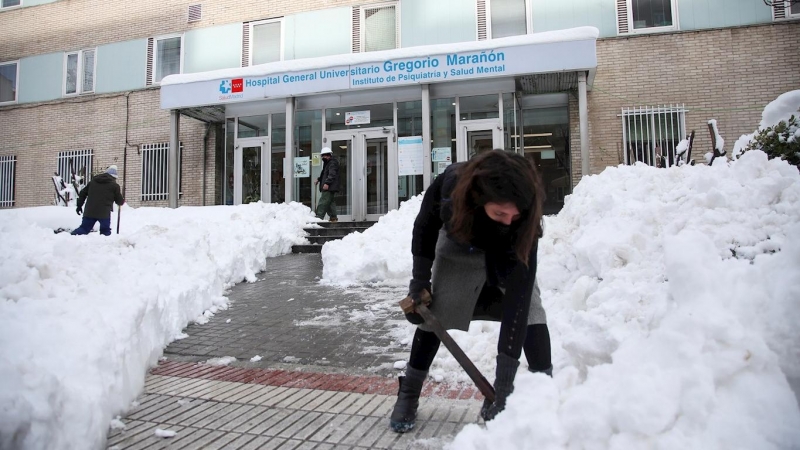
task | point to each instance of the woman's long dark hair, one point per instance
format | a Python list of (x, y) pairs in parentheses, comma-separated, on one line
[(500, 177)]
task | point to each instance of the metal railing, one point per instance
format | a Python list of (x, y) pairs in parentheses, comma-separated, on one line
[(77, 162), (8, 166), (651, 133), (155, 171)]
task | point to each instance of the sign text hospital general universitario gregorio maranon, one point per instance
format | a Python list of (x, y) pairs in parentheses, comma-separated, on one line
[(508, 61)]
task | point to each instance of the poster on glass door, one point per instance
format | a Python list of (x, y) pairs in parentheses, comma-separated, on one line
[(409, 155)]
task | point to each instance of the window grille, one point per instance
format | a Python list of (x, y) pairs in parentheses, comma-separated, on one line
[(8, 165), (482, 22), (650, 134), (75, 162), (149, 67), (622, 16), (245, 44), (155, 171), (195, 13)]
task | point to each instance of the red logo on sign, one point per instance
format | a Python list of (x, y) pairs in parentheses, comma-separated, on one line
[(237, 85)]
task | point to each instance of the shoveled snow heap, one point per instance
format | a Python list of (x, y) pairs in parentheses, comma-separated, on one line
[(673, 298), (84, 316)]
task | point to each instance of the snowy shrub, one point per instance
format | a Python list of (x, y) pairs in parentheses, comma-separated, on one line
[(779, 141)]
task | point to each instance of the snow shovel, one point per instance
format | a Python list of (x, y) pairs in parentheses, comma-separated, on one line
[(407, 305)]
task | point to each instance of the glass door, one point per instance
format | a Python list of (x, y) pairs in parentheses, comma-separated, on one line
[(250, 171), (377, 186), (341, 143), (367, 164), (478, 136)]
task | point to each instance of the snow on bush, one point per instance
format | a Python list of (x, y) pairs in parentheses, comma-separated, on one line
[(778, 133)]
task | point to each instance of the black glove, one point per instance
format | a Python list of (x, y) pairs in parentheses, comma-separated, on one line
[(505, 373), (415, 288), (79, 210)]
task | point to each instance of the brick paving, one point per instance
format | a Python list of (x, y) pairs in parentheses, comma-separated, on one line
[(325, 379)]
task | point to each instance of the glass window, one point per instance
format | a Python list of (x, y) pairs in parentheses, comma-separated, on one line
[(546, 141), (509, 18), (88, 71), (651, 13), (168, 57), (253, 126), (9, 3), (79, 72), (8, 82), (72, 73), (266, 42), (379, 28), (409, 123), (379, 116), (479, 107), (795, 8), (308, 139), (443, 134), (278, 140)]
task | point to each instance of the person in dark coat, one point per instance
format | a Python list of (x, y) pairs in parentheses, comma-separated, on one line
[(102, 192), (474, 247), (329, 180)]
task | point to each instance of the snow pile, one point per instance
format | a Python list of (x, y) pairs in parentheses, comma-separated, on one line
[(672, 298), (381, 253), (778, 110), (83, 317)]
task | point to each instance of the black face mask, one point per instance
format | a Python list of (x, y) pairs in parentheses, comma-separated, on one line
[(490, 235)]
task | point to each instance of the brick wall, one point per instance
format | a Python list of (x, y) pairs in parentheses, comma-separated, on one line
[(725, 74), (76, 24), (36, 133)]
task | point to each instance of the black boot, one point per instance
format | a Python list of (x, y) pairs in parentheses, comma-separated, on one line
[(404, 415), (505, 373), (548, 371)]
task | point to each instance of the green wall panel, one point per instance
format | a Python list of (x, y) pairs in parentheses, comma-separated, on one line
[(121, 66), (551, 15), (40, 78), (703, 14), (317, 33), (425, 22), (212, 48)]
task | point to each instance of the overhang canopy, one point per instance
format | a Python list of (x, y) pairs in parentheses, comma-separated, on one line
[(525, 57)]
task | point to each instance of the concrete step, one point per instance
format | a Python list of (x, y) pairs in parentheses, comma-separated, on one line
[(323, 239), (307, 248), (338, 231), (317, 237)]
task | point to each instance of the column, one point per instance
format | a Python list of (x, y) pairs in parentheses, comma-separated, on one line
[(288, 173), (583, 117), (174, 161)]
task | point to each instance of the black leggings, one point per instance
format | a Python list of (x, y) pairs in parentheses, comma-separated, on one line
[(537, 348)]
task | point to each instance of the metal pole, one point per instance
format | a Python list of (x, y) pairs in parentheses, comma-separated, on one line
[(426, 136), (288, 174), (174, 145), (583, 115)]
